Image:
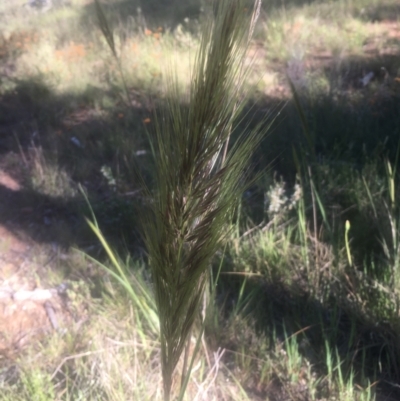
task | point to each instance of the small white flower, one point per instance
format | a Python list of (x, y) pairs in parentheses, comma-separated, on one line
[(276, 199)]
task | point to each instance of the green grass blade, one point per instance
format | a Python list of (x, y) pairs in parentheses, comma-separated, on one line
[(121, 277)]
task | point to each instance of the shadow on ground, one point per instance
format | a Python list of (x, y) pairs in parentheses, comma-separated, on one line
[(50, 145), (96, 143), (367, 348), (149, 14)]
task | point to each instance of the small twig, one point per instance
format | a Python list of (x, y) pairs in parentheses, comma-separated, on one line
[(67, 358), (51, 315), (24, 159), (217, 357)]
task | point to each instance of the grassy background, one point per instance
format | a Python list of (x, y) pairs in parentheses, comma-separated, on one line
[(298, 316)]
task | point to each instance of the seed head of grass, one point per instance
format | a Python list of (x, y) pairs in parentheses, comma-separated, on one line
[(198, 181)]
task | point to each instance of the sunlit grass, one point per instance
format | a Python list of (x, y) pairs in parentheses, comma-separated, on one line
[(69, 58), (71, 54), (299, 36)]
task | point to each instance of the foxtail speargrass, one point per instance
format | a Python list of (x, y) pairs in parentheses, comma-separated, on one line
[(198, 179)]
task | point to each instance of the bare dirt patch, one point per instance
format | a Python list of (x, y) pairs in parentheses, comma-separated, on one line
[(27, 311)]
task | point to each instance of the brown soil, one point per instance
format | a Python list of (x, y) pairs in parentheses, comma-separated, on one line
[(26, 310)]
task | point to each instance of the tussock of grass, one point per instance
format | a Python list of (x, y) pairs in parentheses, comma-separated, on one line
[(49, 178)]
